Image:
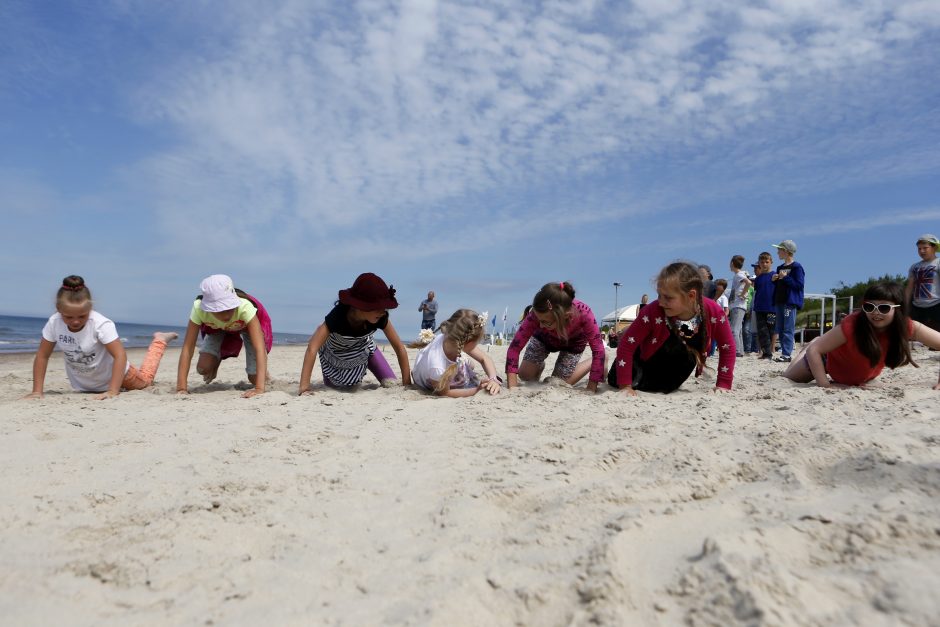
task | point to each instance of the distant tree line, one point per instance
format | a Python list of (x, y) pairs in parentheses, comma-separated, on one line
[(856, 290)]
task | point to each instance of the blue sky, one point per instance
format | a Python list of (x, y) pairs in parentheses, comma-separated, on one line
[(477, 149)]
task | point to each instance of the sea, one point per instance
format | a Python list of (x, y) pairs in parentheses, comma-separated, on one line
[(21, 334)]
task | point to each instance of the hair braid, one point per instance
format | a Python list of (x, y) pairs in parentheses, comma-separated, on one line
[(686, 277), (463, 327)]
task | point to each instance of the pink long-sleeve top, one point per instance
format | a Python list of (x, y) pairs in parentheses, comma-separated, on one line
[(582, 331), (650, 330)]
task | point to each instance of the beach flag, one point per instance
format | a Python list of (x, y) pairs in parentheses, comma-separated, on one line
[(494, 321)]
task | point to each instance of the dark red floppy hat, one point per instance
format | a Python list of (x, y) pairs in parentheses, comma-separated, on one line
[(369, 293)]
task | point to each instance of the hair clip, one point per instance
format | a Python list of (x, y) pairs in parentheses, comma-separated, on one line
[(71, 288), (562, 285), (481, 319), (391, 291)]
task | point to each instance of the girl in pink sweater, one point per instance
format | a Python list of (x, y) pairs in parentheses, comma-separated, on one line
[(558, 323)]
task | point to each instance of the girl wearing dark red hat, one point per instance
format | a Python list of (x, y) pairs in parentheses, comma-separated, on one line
[(345, 343)]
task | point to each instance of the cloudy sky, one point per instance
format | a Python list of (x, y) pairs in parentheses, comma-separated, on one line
[(478, 149)]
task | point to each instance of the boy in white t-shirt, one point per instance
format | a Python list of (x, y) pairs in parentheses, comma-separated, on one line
[(721, 296), (739, 287), (95, 360)]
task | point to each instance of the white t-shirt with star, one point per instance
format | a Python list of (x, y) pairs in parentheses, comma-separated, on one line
[(88, 363)]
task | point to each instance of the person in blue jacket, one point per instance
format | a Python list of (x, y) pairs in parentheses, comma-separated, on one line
[(788, 295)]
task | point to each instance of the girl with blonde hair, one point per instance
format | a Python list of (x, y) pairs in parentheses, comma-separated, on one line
[(439, 367), (669, 339)]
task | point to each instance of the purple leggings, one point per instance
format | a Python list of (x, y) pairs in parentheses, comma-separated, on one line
[(377, 365)]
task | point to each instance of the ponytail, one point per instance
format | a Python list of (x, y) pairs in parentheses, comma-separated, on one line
[(555, 298)]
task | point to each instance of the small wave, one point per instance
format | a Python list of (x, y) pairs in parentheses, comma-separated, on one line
[(25, 346)]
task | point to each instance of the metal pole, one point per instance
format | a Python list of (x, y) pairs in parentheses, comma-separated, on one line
[(616, 304), (822, 315)]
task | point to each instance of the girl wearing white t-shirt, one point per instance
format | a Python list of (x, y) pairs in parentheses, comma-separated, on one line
[(439, 368), (95, 360)]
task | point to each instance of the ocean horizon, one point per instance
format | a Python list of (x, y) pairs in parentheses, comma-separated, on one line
[(21, 334)]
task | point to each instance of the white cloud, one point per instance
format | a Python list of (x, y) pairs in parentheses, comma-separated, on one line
[(336, 117)]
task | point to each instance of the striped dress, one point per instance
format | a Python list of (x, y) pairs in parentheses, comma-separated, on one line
[(344, 357)]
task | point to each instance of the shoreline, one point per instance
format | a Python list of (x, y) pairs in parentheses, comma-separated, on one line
[(779, 503)]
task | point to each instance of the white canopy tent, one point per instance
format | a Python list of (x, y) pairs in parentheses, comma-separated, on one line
[(623, 315)]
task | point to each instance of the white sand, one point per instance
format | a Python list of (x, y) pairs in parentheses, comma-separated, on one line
[(777, 504)]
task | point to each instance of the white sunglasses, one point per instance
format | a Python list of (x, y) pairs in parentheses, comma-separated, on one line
[(883, 308)]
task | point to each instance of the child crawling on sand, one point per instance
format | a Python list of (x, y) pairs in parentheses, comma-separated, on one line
[(856, 351), (439, 367), (95, 360), (345, 342), (227, 318)]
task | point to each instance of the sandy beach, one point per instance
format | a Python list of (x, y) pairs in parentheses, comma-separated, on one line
[(777, 504)]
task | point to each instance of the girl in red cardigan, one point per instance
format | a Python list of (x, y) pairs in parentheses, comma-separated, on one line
[(856, 351), (670, 337)]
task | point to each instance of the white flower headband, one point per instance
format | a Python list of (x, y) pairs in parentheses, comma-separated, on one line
[(426, 336)]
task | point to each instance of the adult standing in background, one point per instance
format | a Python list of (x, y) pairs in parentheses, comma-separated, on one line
[(922, 292), (428, 309)]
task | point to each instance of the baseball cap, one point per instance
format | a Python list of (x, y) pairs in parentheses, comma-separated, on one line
[(929, 238), (218, 293), (788, 245)]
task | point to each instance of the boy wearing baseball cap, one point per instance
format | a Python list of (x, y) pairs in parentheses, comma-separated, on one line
[(922, 293), (788, 296)]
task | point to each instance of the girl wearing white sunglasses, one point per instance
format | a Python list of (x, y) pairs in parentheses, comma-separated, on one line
[(856, 351)]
